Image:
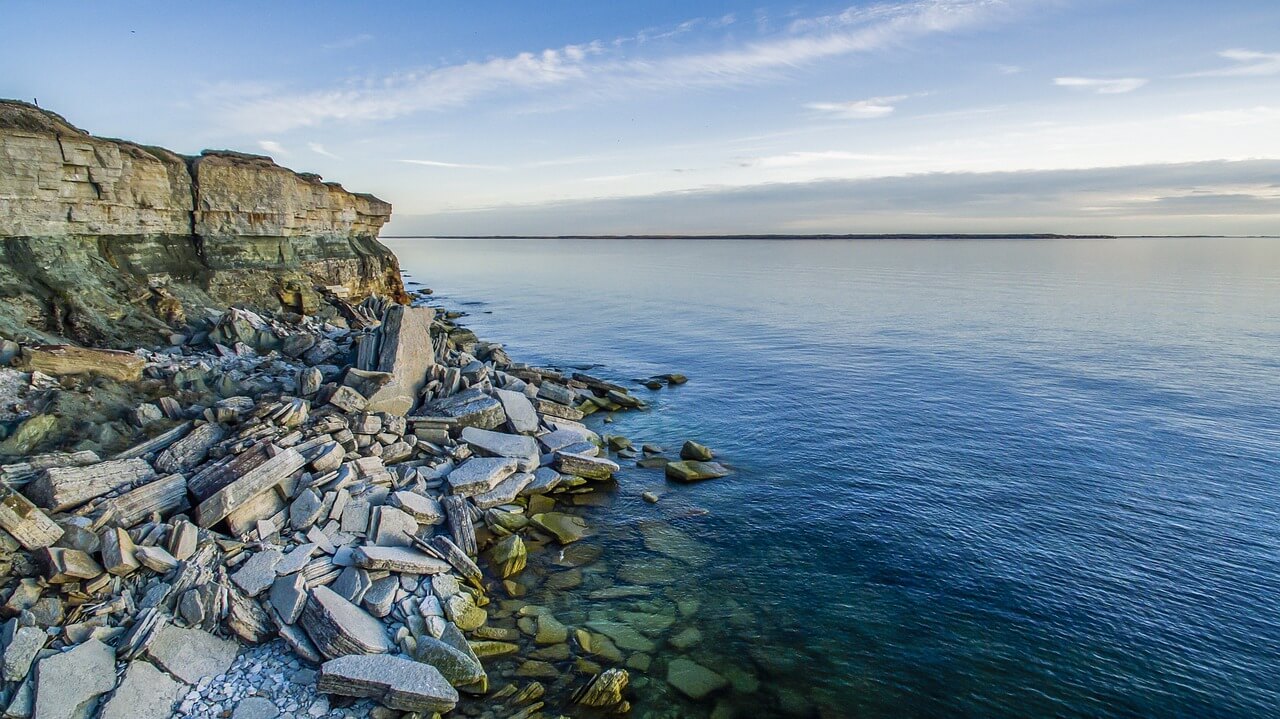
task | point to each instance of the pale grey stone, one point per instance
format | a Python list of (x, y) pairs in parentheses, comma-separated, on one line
[(191, 654), (393, 681), (145, 693), (93, 666), (257, 574), (521, 416), (480, 474), (498, 444)]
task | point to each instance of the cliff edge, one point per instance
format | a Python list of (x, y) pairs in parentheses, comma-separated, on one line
[(112, 243)]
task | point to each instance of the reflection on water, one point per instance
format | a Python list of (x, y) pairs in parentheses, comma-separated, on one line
[(972, 479)]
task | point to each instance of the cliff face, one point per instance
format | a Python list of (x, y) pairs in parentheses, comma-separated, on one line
[(109, 242)]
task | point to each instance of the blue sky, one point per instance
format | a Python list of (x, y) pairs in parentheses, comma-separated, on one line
[(588, 117)]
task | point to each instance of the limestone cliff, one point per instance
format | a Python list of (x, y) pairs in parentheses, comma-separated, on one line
[(109, 242)]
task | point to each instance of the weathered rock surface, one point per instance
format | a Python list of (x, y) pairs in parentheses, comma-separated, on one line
[(393, 681), (120, 221), (68, 684), (191, 654), (145, 693)]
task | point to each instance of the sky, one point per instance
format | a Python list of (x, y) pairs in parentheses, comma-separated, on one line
[(701, 116)]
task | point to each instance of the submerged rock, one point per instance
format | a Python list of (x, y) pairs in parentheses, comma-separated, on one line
[(695, 471), (694, 680)]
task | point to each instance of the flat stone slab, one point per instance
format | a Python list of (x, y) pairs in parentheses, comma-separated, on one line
[(67, 683), (480, 474), (522, 448), (693, 679), (398, 559), (588, 467), (566, 528), (257, 574), (393, 681), (506, 491), (521, 416), (192, 654), (471, 408), (145, 693), (424, 510)]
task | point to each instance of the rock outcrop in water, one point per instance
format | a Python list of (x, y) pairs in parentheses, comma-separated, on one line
[(109, 242)]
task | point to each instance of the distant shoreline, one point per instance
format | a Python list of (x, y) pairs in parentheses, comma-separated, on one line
[(955, 236)]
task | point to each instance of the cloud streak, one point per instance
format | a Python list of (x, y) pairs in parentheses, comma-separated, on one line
[(868, 109), (1248, 63), (1102, 86), (451, 165), (591, 69)]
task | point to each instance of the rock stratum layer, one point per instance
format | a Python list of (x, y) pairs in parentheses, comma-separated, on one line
[(108, 242)]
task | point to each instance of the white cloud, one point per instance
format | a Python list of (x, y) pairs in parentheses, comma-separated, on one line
[(1249, 63), (273, 147), (451, 165), (1102, 86), (594, 72), (858, 109), (319, 150)]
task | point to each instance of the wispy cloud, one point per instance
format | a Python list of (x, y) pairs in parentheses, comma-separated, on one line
[(1102, 86), (1248, 63), (319, 150), (801, 159), (348, 42), (593, 70), (272, 147), (868, 109), (451, 165)]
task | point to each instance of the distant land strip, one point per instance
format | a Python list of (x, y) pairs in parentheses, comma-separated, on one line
[(956, 236)]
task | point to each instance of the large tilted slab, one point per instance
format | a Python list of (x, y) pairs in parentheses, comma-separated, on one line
[(63, 488), (338, 627), (404, 352), (258, 480), (395, 682), (459, 517)]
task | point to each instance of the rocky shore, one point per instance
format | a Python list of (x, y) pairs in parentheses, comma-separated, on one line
[(362, 489), (244, 474)]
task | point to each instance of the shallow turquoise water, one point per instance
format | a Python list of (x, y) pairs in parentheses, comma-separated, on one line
[(973, 478)]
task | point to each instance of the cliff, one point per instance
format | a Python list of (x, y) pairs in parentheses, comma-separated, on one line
[(108, 242)]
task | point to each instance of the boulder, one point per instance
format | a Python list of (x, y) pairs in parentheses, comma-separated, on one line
[(505, 492), (694, 471), (393, 681), (509, 556), (698, 452), (60, 360)]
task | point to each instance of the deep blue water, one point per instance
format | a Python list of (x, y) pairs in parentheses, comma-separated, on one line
[(973, 478)]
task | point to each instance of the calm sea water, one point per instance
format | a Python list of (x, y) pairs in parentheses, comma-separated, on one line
[(973, 478)]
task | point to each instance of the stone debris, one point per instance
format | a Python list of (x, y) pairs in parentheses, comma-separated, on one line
[(365, 489)]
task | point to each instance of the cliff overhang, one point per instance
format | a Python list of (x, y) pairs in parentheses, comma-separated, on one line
[(113, 243)]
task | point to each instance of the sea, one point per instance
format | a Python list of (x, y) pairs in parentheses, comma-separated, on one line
[(970, 478)]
